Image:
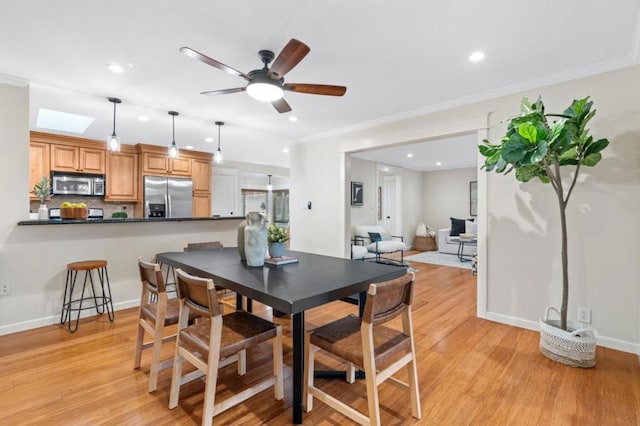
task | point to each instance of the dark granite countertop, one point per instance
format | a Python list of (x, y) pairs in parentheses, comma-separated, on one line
[(94, 221)]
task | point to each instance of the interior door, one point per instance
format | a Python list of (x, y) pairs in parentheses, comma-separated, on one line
[(224, 196), (390, 216)]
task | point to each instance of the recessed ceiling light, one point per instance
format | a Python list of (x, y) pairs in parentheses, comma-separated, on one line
[(476, 56), (293, 119), (385, 169), (115, 68), (438, 164), (130, 65), (285, 150), (188, 147), (409, 155), (62, 121), (208, 139), (143, 118)]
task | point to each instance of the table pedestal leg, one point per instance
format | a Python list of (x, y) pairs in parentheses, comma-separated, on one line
[(298, 365)]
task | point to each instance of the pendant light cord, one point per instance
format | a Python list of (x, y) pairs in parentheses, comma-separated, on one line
[(173, 125), (114, 119), (218, 137)]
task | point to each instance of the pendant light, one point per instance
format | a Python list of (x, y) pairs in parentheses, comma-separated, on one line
[(269, 186), (113, 141), (173, 148), (217, 156)]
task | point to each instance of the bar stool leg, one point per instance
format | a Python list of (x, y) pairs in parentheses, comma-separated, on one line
[(66, 304), (106, 299), (93, 291)]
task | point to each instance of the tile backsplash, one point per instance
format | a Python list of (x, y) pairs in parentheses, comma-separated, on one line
[(91, 202)]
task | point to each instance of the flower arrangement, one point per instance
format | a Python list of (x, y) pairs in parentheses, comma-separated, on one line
[(42, 190), (275, 234)]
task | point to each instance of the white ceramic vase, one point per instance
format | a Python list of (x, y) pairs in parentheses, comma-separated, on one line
[(43, 212), (255, 239)]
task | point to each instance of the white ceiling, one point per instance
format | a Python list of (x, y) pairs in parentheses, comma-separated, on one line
[(439, 154), (396, 58)]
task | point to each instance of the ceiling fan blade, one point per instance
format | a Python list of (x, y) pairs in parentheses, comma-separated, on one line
[(288, 58), (281, 105), (316, 89), (209, 61), (224, 91)]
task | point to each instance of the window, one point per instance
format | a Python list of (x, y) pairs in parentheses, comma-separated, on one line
[(254, 200), (280, 209)]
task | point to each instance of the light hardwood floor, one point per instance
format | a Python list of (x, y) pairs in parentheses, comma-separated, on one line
[(471, 371)]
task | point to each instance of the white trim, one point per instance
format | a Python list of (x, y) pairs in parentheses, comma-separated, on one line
[(483, 230), (592, 69), (12, 80), (604, 341), (55, 319)]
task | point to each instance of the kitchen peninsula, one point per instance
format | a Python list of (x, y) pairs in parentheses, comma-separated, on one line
[(119, 221)]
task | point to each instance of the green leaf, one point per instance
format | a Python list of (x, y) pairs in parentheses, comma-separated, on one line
[(540, 152), (528, 131), (596, 146), (592, 159), (526, 173), (514, 150)]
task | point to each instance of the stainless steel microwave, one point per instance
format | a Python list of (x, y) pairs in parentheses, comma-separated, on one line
[(77, 184)]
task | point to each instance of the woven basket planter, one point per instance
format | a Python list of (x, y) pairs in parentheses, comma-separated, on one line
[(575, 347)]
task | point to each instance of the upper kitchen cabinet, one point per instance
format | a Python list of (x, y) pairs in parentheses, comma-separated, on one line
[(65, 158), (155, 161), (201, 174), (71, 154), (38, 163), (122, 175)]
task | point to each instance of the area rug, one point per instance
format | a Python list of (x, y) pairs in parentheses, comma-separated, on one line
[(438, 258)]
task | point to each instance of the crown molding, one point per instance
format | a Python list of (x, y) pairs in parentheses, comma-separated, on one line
[(13, 81), (589, 70)]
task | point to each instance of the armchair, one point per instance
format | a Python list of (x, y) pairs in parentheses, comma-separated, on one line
[(379, 242)]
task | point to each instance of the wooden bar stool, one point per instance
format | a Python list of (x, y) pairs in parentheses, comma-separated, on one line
[(101, 301)]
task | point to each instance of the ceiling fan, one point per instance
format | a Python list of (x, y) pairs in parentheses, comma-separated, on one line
[(267, 84)]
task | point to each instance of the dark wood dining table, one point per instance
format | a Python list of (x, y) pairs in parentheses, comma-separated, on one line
[(292, 289)]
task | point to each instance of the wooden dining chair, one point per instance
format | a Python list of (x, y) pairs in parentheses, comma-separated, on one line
[(156, 312), (214, 338), (365, 342)]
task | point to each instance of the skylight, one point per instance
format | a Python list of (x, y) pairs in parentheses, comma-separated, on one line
[(62, 121)]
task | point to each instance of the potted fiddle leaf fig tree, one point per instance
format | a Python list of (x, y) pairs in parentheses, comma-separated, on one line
[(541, 145)]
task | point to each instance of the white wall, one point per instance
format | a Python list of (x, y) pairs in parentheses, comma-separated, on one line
[(446, 195), (364, 171), (412, 199), (523, 247)]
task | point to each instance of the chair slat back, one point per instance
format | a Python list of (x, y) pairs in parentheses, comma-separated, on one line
[(386, 300), (151, 277), (199, 294), (203, 246)]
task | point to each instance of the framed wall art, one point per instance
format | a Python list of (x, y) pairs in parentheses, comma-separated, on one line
[(357, 196), (473, 198)]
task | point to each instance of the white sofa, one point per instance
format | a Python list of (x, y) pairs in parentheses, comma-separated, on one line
[(388, 244), (449, 244)]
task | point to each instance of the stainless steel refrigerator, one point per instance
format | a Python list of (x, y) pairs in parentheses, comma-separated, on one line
[(168, 197)]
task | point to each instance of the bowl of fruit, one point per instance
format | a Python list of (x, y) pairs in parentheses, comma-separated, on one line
[(73, 210)]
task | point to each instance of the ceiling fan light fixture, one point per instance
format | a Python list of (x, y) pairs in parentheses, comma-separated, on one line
[(265, 90)]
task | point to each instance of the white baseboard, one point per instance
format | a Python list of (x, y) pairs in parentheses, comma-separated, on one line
[(55, 319), (607, 342)]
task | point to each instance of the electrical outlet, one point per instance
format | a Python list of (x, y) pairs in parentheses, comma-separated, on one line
[(584, 315), (5, 290)]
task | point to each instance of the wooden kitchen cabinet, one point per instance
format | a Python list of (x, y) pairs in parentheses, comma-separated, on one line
[(160, 164), (201, 205), (201, 175), (68, 158), (38, 164), (122, 176)]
